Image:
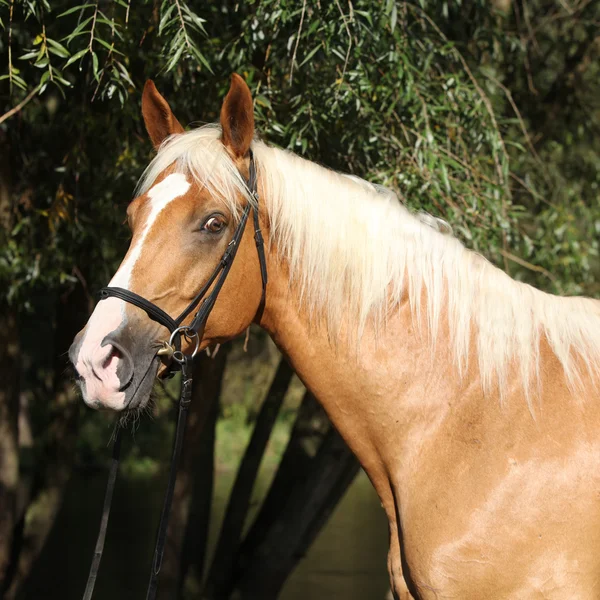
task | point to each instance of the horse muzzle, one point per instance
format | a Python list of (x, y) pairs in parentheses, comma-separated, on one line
[(112, 373)]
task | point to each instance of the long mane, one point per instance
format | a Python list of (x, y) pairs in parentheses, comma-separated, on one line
[(355, 253)]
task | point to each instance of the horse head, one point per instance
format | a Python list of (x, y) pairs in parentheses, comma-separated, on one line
[(181, 222)]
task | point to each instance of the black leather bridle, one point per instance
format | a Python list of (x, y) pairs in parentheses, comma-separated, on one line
[(175, 326), (172, 349)]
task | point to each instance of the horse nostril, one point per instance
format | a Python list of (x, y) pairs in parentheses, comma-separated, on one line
[(123, 361), (115, 353)]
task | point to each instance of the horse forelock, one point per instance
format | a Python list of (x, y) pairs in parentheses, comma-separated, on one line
[(354, 252), (199, 154)]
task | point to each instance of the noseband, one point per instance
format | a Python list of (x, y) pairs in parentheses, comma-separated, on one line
[(172, 349)]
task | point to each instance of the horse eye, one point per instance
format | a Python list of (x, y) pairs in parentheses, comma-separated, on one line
[(214, 225)]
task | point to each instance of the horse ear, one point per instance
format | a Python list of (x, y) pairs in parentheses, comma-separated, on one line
[(158, 116), (237, 118)]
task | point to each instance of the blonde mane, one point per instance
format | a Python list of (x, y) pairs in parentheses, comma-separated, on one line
[(353, 249)]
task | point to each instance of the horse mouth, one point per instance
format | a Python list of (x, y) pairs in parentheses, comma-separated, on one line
[(139, 390)]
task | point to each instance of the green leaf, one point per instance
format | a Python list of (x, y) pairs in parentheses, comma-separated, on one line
[(263, 101), (77, 30), (62, 80), (201, 58), (19, 82), (195, 19), (95, 65), (109, 47), (59, 49), (125, 73), (174, 59), (310, 54), (28, 55), (76, 57), (165, 17), (74, 9), (105, 21), (58, 53)]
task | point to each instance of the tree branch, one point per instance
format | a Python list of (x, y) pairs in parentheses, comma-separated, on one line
[(18, 107), (297, 42)]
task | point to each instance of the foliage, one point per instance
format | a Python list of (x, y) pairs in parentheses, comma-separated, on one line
[(452, 116), (483, 112)]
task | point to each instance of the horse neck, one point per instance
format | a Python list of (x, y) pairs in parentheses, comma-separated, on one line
[(381, 393)]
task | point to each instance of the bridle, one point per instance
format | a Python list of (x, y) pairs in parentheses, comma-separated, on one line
[(192, 331), (171, 349)]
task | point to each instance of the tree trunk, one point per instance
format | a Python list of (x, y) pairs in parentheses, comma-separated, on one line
[(195, 541), (307, 434), (9, 389), (60, 434), (9, 436), (308, 489), (221, 573)]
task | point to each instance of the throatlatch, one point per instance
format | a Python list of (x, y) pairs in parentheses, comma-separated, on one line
[(172, 349)]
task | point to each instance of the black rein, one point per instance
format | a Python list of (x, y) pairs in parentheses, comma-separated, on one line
[(172, 348)]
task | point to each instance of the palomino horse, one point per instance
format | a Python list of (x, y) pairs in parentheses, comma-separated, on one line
[(470, 399)]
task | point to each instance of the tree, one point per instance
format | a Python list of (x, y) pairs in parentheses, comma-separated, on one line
[(484, 114)]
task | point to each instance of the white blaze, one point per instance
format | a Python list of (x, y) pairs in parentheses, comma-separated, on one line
[(93, 363), (160, 196)]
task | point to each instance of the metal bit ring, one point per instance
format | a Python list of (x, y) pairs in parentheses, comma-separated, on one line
[(189, 334)]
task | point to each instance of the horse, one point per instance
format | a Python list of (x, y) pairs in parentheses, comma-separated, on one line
[(469, 398)]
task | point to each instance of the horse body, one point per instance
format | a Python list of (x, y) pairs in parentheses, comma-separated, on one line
[(469, 399), (485, 499)]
